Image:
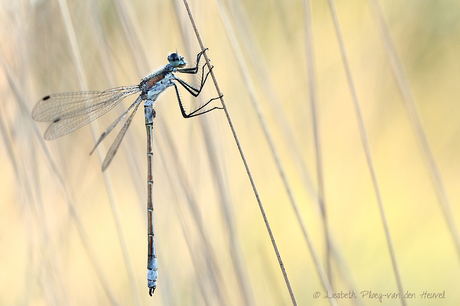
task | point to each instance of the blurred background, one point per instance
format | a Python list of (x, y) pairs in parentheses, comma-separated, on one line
[(73, 235)]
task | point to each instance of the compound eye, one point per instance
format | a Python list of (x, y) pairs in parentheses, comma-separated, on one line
[(173, 57)]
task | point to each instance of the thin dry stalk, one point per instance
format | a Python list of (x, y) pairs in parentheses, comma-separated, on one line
[(240, 149), (414, 116), (314, 117), (367, 150), (109, 186)]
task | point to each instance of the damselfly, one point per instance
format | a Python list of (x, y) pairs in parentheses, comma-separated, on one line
[(70, 111)]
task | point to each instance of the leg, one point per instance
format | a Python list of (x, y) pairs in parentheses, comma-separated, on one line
[(193, 70), (197, 111), (191, 89)]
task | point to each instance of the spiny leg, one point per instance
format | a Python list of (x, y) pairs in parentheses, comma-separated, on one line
[(193, 70), (191, 89), (196, 112)]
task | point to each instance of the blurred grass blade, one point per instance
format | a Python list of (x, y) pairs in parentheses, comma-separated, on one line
[(367, 150), (409, 102)]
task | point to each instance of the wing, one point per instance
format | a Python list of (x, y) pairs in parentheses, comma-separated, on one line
[(111, 127), (70, 111), (116, 143)]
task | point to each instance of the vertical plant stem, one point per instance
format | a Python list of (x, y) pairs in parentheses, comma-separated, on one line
[(240, 149), (367, 150)]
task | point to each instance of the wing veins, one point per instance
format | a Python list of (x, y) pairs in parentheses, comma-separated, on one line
[(64, 126), (73, 104), (115, 123), (116, 143)]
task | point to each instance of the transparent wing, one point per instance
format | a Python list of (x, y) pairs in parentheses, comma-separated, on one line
[(112, 126), (70, 111), (116, 143)]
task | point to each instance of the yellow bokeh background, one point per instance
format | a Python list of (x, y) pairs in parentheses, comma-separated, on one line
[(70, 234)]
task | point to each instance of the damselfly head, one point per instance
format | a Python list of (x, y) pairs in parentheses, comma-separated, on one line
[(176, 60)]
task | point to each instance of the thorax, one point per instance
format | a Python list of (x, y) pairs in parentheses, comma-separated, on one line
[(157, 82)]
